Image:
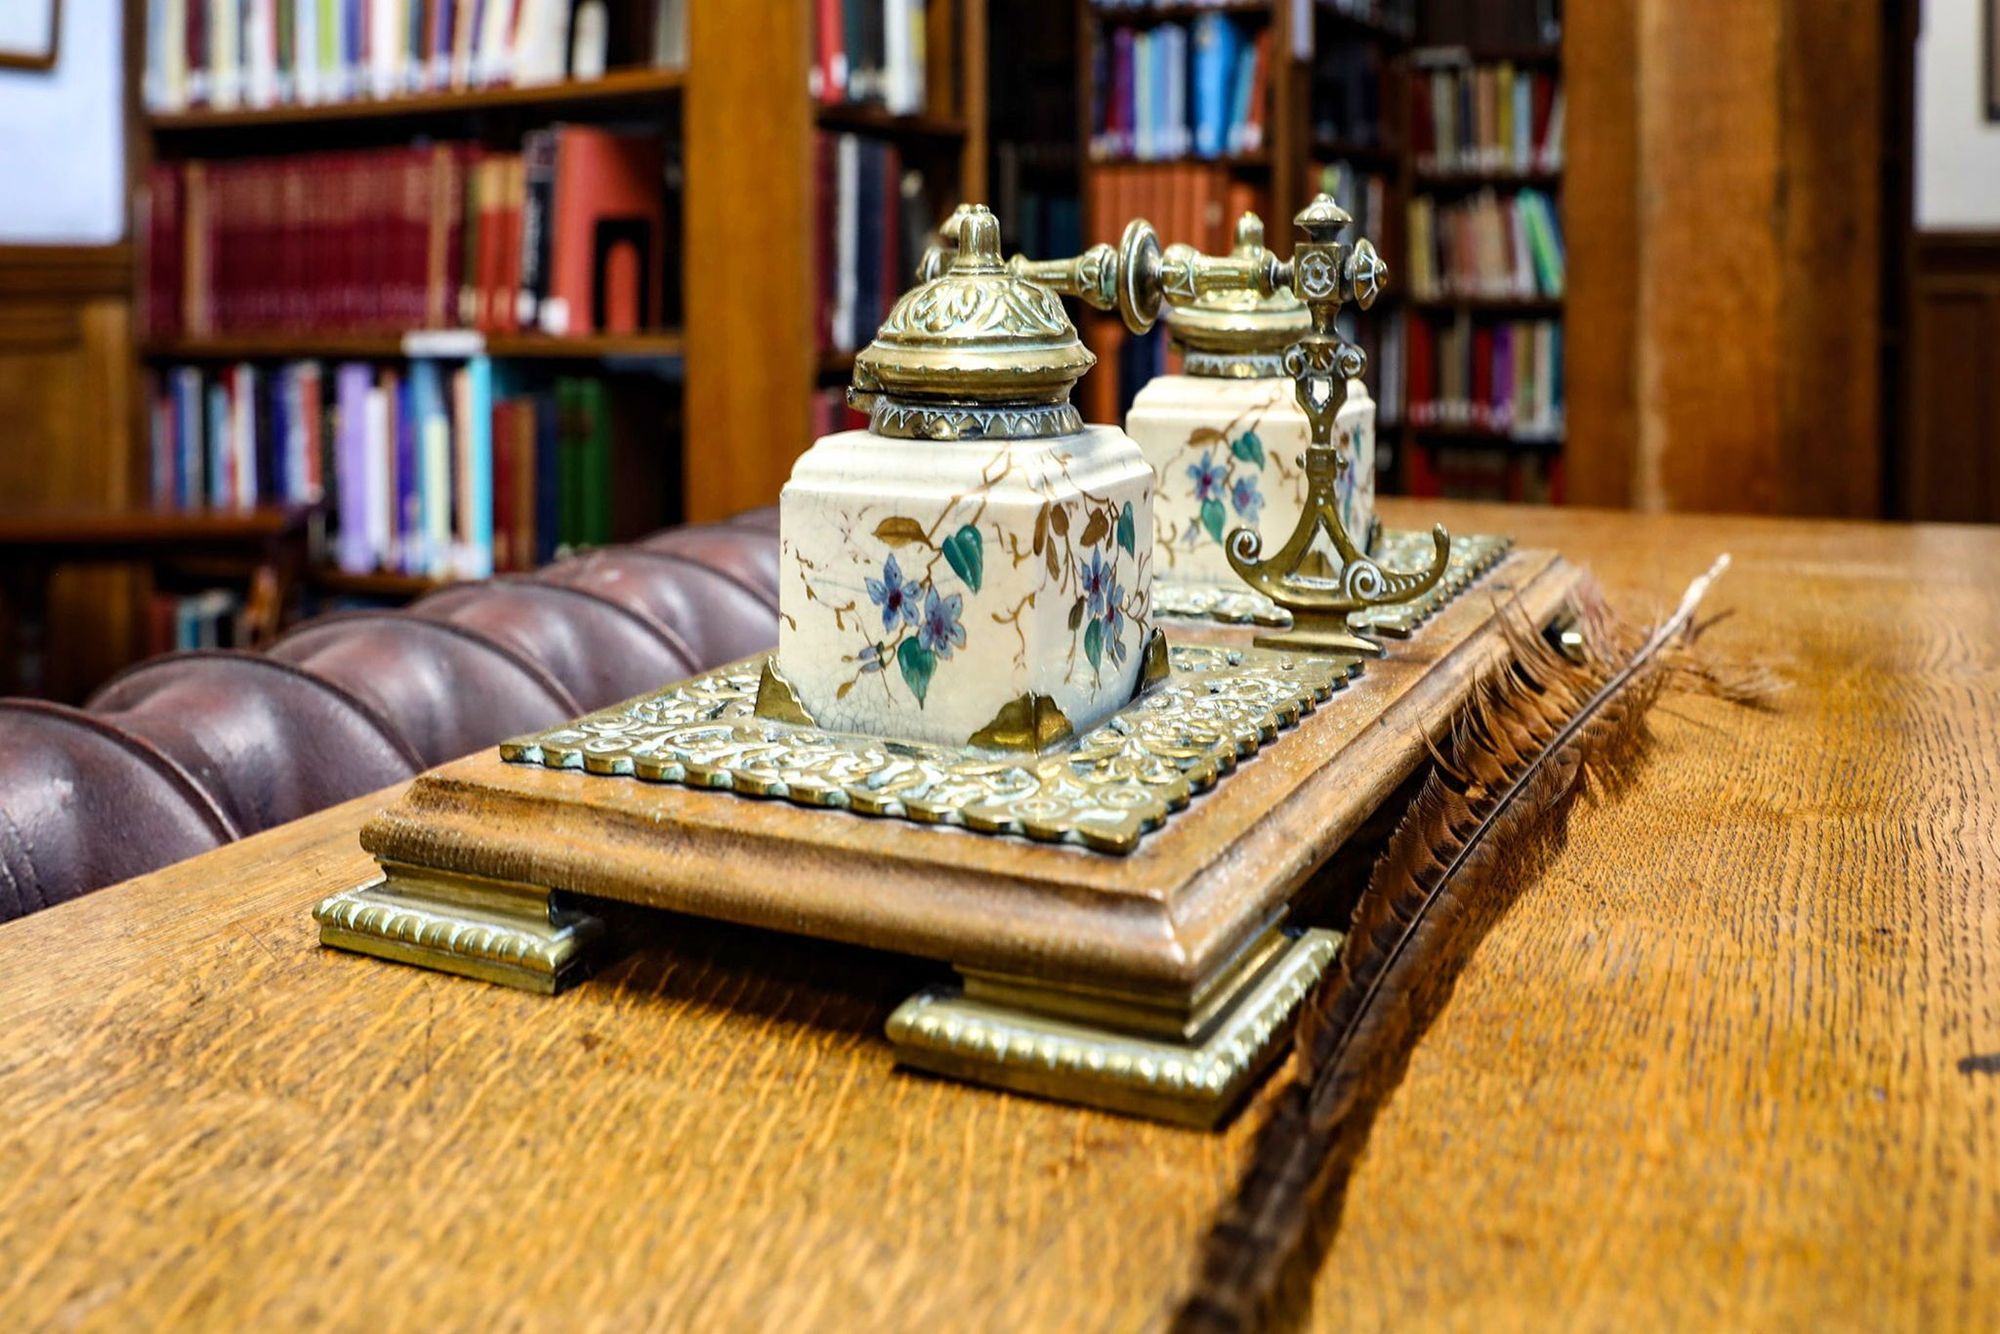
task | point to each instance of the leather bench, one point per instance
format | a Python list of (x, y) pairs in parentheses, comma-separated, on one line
[(188, 751)]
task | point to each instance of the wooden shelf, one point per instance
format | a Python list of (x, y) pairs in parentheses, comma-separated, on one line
[(1484, 436), (1525, 306), (1326, 149), (1258, 161), (378, 584), (872, 120), (662, 344), (616, 86), (1142, 14), (1368, 23), (1431, 178)]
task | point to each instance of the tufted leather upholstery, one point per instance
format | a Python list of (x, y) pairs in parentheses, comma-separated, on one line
[(192, 750)]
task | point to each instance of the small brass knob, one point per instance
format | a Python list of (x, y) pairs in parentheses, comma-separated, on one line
[(1367, 274)]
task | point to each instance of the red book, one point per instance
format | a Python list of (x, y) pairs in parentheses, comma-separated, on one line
[(608, 246), (832, 68), (1482, 376)]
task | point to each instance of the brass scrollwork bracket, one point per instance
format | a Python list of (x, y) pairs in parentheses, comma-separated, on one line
[(1321, 593)]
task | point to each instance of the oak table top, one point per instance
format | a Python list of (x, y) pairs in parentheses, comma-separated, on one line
[(1733, 1060)]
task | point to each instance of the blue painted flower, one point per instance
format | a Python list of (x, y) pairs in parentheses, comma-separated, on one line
[(1114, 621), (871, 658), (939, 630), (1208, 477), (1096, 581), (894, 595), (1245, 498)]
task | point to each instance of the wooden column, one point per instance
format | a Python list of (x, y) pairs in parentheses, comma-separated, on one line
[(1723, 192), (748, 259)]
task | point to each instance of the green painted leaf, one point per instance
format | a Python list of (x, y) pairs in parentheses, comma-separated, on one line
[(900, 530), (1093, 642), (1248, 448), (965, 552), (1212, 516), (1127, 538), (1076, 614), (919, 664)]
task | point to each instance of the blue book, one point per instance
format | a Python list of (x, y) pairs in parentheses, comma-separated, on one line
[(221, 493), (476, 526), (1214, 67), (548, 477), (430, 465), (188, 484)]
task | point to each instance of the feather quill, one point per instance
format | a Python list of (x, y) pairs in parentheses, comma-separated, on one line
[(1549, 727)]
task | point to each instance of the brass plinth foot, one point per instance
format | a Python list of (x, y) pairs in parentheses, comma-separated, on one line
[(1324, 635), (1189, 1067), (516, 935)]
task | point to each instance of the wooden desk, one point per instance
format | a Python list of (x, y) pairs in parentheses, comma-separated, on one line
[(1733, 1062)]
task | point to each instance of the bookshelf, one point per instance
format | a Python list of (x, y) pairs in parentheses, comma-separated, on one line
[(1338, 111), (759, 366), (734, 360)]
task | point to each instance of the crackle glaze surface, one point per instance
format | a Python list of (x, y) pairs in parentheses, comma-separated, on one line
[(1227, 453), (925, 584)]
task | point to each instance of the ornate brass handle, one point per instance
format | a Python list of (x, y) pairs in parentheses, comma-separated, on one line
[(1138, 278)]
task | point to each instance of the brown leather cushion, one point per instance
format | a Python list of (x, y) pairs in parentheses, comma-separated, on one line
[(601, 651), (444, 690), (721, 619), (191, 750), (83, 804), (221, 715)]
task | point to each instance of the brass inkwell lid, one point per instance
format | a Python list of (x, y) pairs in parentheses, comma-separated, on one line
[(1239, 334), (974, 352)]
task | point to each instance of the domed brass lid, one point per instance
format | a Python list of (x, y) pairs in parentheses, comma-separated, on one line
[(1239, 335), (974, 353)]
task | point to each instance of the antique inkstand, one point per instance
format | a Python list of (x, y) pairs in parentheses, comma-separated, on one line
[(974, 744)]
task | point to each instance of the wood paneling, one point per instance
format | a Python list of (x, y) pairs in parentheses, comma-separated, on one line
[(66, 396), (1949, 468), (1728, 1063), (1724, 178)]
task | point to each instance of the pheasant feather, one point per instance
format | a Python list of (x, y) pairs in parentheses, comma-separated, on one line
[(1551, 726)]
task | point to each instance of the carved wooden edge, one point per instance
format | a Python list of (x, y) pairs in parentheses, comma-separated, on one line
[(1195, 1083)]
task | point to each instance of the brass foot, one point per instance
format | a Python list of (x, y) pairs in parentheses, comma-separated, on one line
[(516, 935), (1188, 1064), (1312, 635)]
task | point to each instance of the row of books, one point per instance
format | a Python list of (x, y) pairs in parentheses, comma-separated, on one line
[(1194, 202), (1177, 90), (262, 53), (1486, 118), (873, 224), (1364, 194), (1398, 17), (1487, 245), (568, 236), (1491, 25), (871, 52), (423, 467), (1480, 474), (1502, 376), (179, 622), (1347, 80)]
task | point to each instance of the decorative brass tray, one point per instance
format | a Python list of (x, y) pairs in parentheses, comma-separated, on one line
[(1471, 556), (1129, 951)]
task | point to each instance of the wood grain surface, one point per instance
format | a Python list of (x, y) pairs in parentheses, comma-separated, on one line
[(1731, 1063)]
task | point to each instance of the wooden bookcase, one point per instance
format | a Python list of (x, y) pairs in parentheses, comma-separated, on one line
[(1286, 169), (744, 350)]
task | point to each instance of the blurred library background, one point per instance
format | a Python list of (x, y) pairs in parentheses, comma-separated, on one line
[(310, 305)]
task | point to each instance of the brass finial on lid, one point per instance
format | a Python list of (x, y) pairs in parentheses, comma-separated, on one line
[(1239, 335), (974, 352)]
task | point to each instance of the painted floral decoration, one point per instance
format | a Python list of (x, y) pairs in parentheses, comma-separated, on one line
[(1228, 477)]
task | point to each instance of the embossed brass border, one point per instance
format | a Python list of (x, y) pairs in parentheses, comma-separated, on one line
[(1105, 792), (1195, 1083)]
